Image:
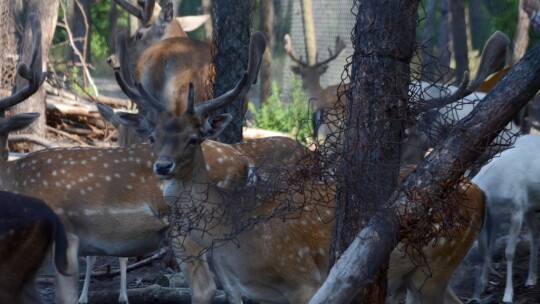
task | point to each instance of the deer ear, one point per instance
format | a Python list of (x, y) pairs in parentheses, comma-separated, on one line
[(322, 69), (17, 122), (136, 123), (296, 70), (167, 13), (108, 114), (214, 125)]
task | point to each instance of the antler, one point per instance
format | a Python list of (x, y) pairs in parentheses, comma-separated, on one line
[(290, 51), (32, 73), (492, 60), (126, 80), (257, 45), (338, 48), (143, 13)]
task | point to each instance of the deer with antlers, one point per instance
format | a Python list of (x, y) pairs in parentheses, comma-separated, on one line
[(98, 193), (270, 242), (434, 100)]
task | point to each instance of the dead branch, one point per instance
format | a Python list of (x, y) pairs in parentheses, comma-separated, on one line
[(441, 169), (32, 139), (68, 136)]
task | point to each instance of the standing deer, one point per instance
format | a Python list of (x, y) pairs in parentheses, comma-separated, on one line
[(434, 102), (98, 193), (270, 243), (28, 230), (512, 186)]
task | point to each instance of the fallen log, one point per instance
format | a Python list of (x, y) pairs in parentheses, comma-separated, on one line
[(151, 294)]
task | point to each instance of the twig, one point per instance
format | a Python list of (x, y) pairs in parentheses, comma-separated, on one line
[(76, 50), (69, 136)]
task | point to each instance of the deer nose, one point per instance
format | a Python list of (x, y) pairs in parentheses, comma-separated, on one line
[(163, 167)]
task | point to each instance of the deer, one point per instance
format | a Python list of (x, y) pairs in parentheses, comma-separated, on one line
[(157, 24), (510, 183), (270, 242), (98, 193), (434, 102), (29, 230)]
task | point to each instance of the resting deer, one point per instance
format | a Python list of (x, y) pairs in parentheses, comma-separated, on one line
[(432, 102), (270, 242), (512, 189)]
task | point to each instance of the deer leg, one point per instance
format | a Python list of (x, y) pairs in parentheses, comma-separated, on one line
[(67, 286), (123, 298), (534, 233), (90, 260), (515, 227), (484, 250), (195, 268)]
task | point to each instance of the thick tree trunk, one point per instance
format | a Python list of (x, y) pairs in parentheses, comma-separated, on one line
[(459, 35), (369, 165), (47, 12), (267, 26), (441, 169), (477, 22), (309, 31), (521, 37), (231, 23)]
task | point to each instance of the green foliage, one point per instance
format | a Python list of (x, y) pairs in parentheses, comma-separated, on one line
[(292, 118)]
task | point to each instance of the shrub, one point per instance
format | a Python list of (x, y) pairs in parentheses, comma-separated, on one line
[(292, 117)]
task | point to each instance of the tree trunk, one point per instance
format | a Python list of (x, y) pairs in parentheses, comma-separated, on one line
[(309, 31), (477, 22), (8, 56), (231, 23), (445, 42), (428, 34), (459, 35), (441, 169), (521, 37), (369, 165), (113, 21), (47, 12), (267, 25), (207, 9)]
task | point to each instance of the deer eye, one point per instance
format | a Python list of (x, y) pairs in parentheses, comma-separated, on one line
[(152, 139), (138, 36), (193, 140)]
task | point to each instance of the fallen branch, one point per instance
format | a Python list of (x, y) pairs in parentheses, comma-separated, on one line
[(68, 136), (137, 265), (32, 139), (151, 294), (445, 165)]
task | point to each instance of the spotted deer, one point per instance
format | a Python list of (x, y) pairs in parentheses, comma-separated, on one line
[(98, 193), (270, 241), (157, 24), (433, 101)]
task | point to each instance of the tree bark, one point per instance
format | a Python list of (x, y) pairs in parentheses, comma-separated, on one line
[(477, 22), (440, 170), (47, 12), (309, 31), (267, 25), (459, 35), (521, 37), (369, 165), (231, 23)]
